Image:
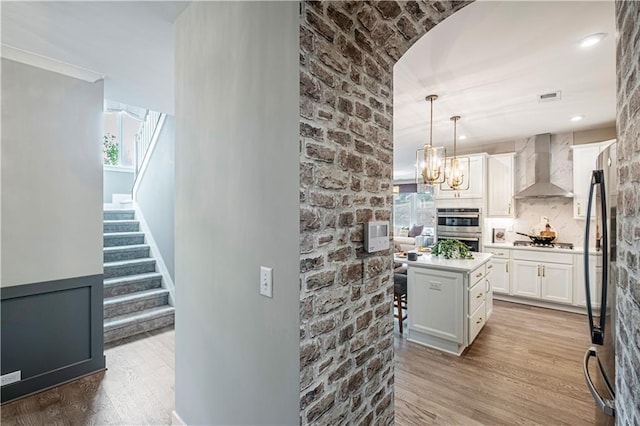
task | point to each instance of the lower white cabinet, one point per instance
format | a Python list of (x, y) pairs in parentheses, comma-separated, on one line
[(595, 276), (543, 275), (526, 278), (436, 303), (489, 295), (556, 282), (447, 309)]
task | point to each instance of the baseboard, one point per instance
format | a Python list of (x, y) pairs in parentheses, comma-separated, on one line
[(176, 420), (541, 303), (167, 282)]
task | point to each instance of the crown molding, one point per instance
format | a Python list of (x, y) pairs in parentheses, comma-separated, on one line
[(39, 61)]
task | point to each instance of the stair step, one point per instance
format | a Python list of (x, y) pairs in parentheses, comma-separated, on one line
[(110, 226), (135, 302), (116, 253), (118, 214), (129, 267), (131, 324), (123, 239), (131, 284)]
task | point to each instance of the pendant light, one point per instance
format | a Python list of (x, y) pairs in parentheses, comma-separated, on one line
[(457, 170), (431, 168)]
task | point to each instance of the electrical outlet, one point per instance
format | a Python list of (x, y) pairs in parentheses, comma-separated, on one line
[(266, 281), (9, 378)]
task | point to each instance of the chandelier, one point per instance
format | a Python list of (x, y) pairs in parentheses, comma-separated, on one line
[(457, 168), (429, 160)]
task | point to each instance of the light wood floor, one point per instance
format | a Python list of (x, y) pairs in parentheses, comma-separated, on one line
[(137, 389), (524, 368)]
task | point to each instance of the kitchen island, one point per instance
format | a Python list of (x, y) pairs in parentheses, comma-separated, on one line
[(449, 300)]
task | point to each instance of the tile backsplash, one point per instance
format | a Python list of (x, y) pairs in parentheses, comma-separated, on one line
[(529, 210)]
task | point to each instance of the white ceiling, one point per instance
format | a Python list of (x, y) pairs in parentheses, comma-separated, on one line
[(131, 43), (489, 62)]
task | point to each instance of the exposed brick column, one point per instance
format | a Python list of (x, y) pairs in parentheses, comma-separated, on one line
[(347, 51), (628, 150)]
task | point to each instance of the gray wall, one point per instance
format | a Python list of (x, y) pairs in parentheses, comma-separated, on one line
[(237, 180), (116, 182), (156, 191), (51, 296), (51, 176)]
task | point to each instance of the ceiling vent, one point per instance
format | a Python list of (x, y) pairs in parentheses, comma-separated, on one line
[(550, 97)]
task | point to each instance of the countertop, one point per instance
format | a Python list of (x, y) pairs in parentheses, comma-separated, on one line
[(510, 246), (435, 262)]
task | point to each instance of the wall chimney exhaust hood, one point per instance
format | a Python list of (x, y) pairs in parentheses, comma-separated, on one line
[(542, 186)]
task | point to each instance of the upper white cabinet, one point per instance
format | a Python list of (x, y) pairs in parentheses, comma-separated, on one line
[(476, 180), (584, 162), (500, 185)]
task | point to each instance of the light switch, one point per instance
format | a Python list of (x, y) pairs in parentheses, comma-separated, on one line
[(266, 281)]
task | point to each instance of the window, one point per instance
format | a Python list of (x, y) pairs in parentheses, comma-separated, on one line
[(411, 208), (120, 129)]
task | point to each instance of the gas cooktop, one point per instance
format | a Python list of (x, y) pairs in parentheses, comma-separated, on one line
[(566, 246)]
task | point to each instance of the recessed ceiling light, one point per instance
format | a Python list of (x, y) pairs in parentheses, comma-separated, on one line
[(592, 39), (462, 137), (577, 118)]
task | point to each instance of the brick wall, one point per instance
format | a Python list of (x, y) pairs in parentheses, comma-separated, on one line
[(347, 51), (628, 129)]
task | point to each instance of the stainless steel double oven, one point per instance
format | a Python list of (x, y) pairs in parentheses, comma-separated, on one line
[(464, 224)]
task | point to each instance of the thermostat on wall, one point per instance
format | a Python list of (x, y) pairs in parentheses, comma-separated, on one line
[(376, 236)]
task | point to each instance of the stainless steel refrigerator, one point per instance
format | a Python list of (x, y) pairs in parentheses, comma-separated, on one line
[(599, 361)]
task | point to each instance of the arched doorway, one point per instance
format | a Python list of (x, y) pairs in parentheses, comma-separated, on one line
[(347, 51)]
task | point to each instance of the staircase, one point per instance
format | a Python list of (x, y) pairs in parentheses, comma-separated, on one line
[(134, 300)]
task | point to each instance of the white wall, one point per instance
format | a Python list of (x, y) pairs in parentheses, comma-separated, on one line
[(116, 182), (237, 207), (156, 191), (51, 175)]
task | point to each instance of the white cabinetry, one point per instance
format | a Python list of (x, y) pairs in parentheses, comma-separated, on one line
[(526, 278), (448, 308), (436, 304), (501, 275), (584, 162), (476, 179), (595, 276), (500, 185), (543, 275)]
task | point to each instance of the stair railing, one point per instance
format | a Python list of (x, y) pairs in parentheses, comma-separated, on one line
[(146, 139), (144, 136)]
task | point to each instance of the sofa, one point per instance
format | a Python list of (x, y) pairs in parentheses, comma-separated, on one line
[(405, 239)]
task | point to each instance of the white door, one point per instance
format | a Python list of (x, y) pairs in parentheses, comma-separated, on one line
[(500, 185), (557, 282), (500, 279), (526, 278)]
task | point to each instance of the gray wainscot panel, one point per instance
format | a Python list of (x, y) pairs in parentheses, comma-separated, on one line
[(52, 332)]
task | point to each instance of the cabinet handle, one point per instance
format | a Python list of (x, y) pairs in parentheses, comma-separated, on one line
[(543, 271), (506, 267), (479, 296), (479, 274), (538, 270), (509, 208), (479, 320), (578, 209), (490, 266)]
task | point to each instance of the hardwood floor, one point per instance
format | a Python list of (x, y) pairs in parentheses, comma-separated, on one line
[(137, 389), (525, 368)]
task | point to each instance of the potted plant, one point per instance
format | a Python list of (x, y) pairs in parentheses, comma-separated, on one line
[(451, 249), (110, 149)]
